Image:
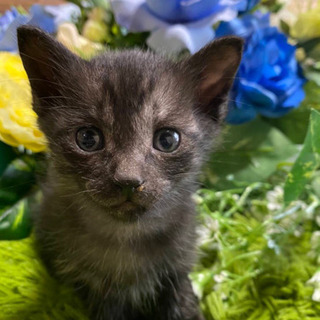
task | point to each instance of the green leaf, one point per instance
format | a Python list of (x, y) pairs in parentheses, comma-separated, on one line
[(15, 182), (285, 27), (7, 154), (250, 153), (313, 75), (309, 45), (15, 222), (307, 162), (312, 90), (294, 125)]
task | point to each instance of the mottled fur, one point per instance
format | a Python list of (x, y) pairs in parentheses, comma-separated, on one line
[(134, 263)]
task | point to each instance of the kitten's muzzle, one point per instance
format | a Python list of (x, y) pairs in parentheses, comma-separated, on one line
[(128, 182)]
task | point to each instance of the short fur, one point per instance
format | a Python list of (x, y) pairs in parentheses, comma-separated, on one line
[(128, 263)]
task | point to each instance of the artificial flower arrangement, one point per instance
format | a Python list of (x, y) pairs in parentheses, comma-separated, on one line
[(259, 234)]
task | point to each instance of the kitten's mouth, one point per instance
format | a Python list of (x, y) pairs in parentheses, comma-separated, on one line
[(123, 208), (125, 205)]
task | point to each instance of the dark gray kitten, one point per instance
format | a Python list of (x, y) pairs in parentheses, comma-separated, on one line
[(128, 133)]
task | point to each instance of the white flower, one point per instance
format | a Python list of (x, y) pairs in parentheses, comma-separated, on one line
[(175, 25)]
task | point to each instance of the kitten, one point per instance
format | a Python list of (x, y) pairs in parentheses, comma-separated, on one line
[(128, 133)]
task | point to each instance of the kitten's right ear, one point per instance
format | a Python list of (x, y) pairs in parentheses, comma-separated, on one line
[(214, 68), (47, 62)]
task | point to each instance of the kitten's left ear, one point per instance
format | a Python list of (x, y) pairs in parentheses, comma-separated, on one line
[(50, 66), (214, 68)]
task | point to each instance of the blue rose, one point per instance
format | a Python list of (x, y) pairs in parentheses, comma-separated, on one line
[(44, 17), (246, 5), (9, 22), (177, 24), (269, 81)]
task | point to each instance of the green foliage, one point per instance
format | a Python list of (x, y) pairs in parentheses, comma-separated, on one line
[(312, 89), (117, 37), (17, 185), (15, 222), (250, 153), (256, 260), (310, 47), (308, 161), (293, 125), (6, 155), (28, 292)]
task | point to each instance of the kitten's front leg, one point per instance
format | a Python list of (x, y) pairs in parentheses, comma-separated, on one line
[(112, 309), (177, 301)]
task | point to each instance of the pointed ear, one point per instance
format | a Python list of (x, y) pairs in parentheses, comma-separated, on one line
[(47, 62), (214, 68)]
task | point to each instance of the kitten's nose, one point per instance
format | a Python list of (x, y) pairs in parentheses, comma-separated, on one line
[(125, 181)]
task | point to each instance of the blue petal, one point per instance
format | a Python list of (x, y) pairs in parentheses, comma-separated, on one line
[(246, 5), (245, 26), (8, 42), (258, 95), (42, 19), (63, 13), (181, 11), (177, 37), (135, 15), (276, 113), (294, 99), (238, 116), (7, 18)]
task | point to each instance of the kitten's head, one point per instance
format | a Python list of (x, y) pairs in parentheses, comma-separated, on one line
[(129, 130)]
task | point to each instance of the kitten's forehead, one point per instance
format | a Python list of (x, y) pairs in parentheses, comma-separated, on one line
[(139, 89)]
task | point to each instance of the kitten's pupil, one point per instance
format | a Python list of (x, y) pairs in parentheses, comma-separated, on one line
[(166, 140), (89, 139)]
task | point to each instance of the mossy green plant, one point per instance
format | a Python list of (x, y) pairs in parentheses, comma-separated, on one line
[(28, 292), (257, 263)]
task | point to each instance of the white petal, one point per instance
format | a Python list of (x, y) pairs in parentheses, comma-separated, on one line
[(177, 37), (63, 13), (135, 16), (226, 14)]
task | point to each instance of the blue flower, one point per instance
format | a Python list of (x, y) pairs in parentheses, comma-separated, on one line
[(9, 22), (269, 80), (45, 17), (177, 24), (246, 5)]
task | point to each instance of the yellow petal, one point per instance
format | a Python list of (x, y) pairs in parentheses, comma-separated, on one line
[(18, 122)]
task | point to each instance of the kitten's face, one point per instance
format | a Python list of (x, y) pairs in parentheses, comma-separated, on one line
[(127, 135), (127, 130)]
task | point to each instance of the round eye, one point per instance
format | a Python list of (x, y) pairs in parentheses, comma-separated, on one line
[(166, 140), (89, 139)]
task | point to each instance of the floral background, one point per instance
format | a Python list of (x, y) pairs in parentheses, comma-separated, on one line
[(259, 205)]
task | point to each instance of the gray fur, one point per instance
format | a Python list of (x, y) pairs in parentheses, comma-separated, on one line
[(133, 262)]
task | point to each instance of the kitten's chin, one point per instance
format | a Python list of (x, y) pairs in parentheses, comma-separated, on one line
[(127, 212)]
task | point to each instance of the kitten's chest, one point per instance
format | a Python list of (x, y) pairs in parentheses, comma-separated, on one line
[(132, 273)]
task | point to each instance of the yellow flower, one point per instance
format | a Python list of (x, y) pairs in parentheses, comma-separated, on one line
[(69, 36), (95, 30), (307, 25), (18, 122)]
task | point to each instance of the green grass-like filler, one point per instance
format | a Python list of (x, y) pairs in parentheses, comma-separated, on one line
[(27, 291), (255, 265)]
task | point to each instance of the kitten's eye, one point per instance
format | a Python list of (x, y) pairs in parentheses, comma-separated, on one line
[(89, 139), (166, 140)]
